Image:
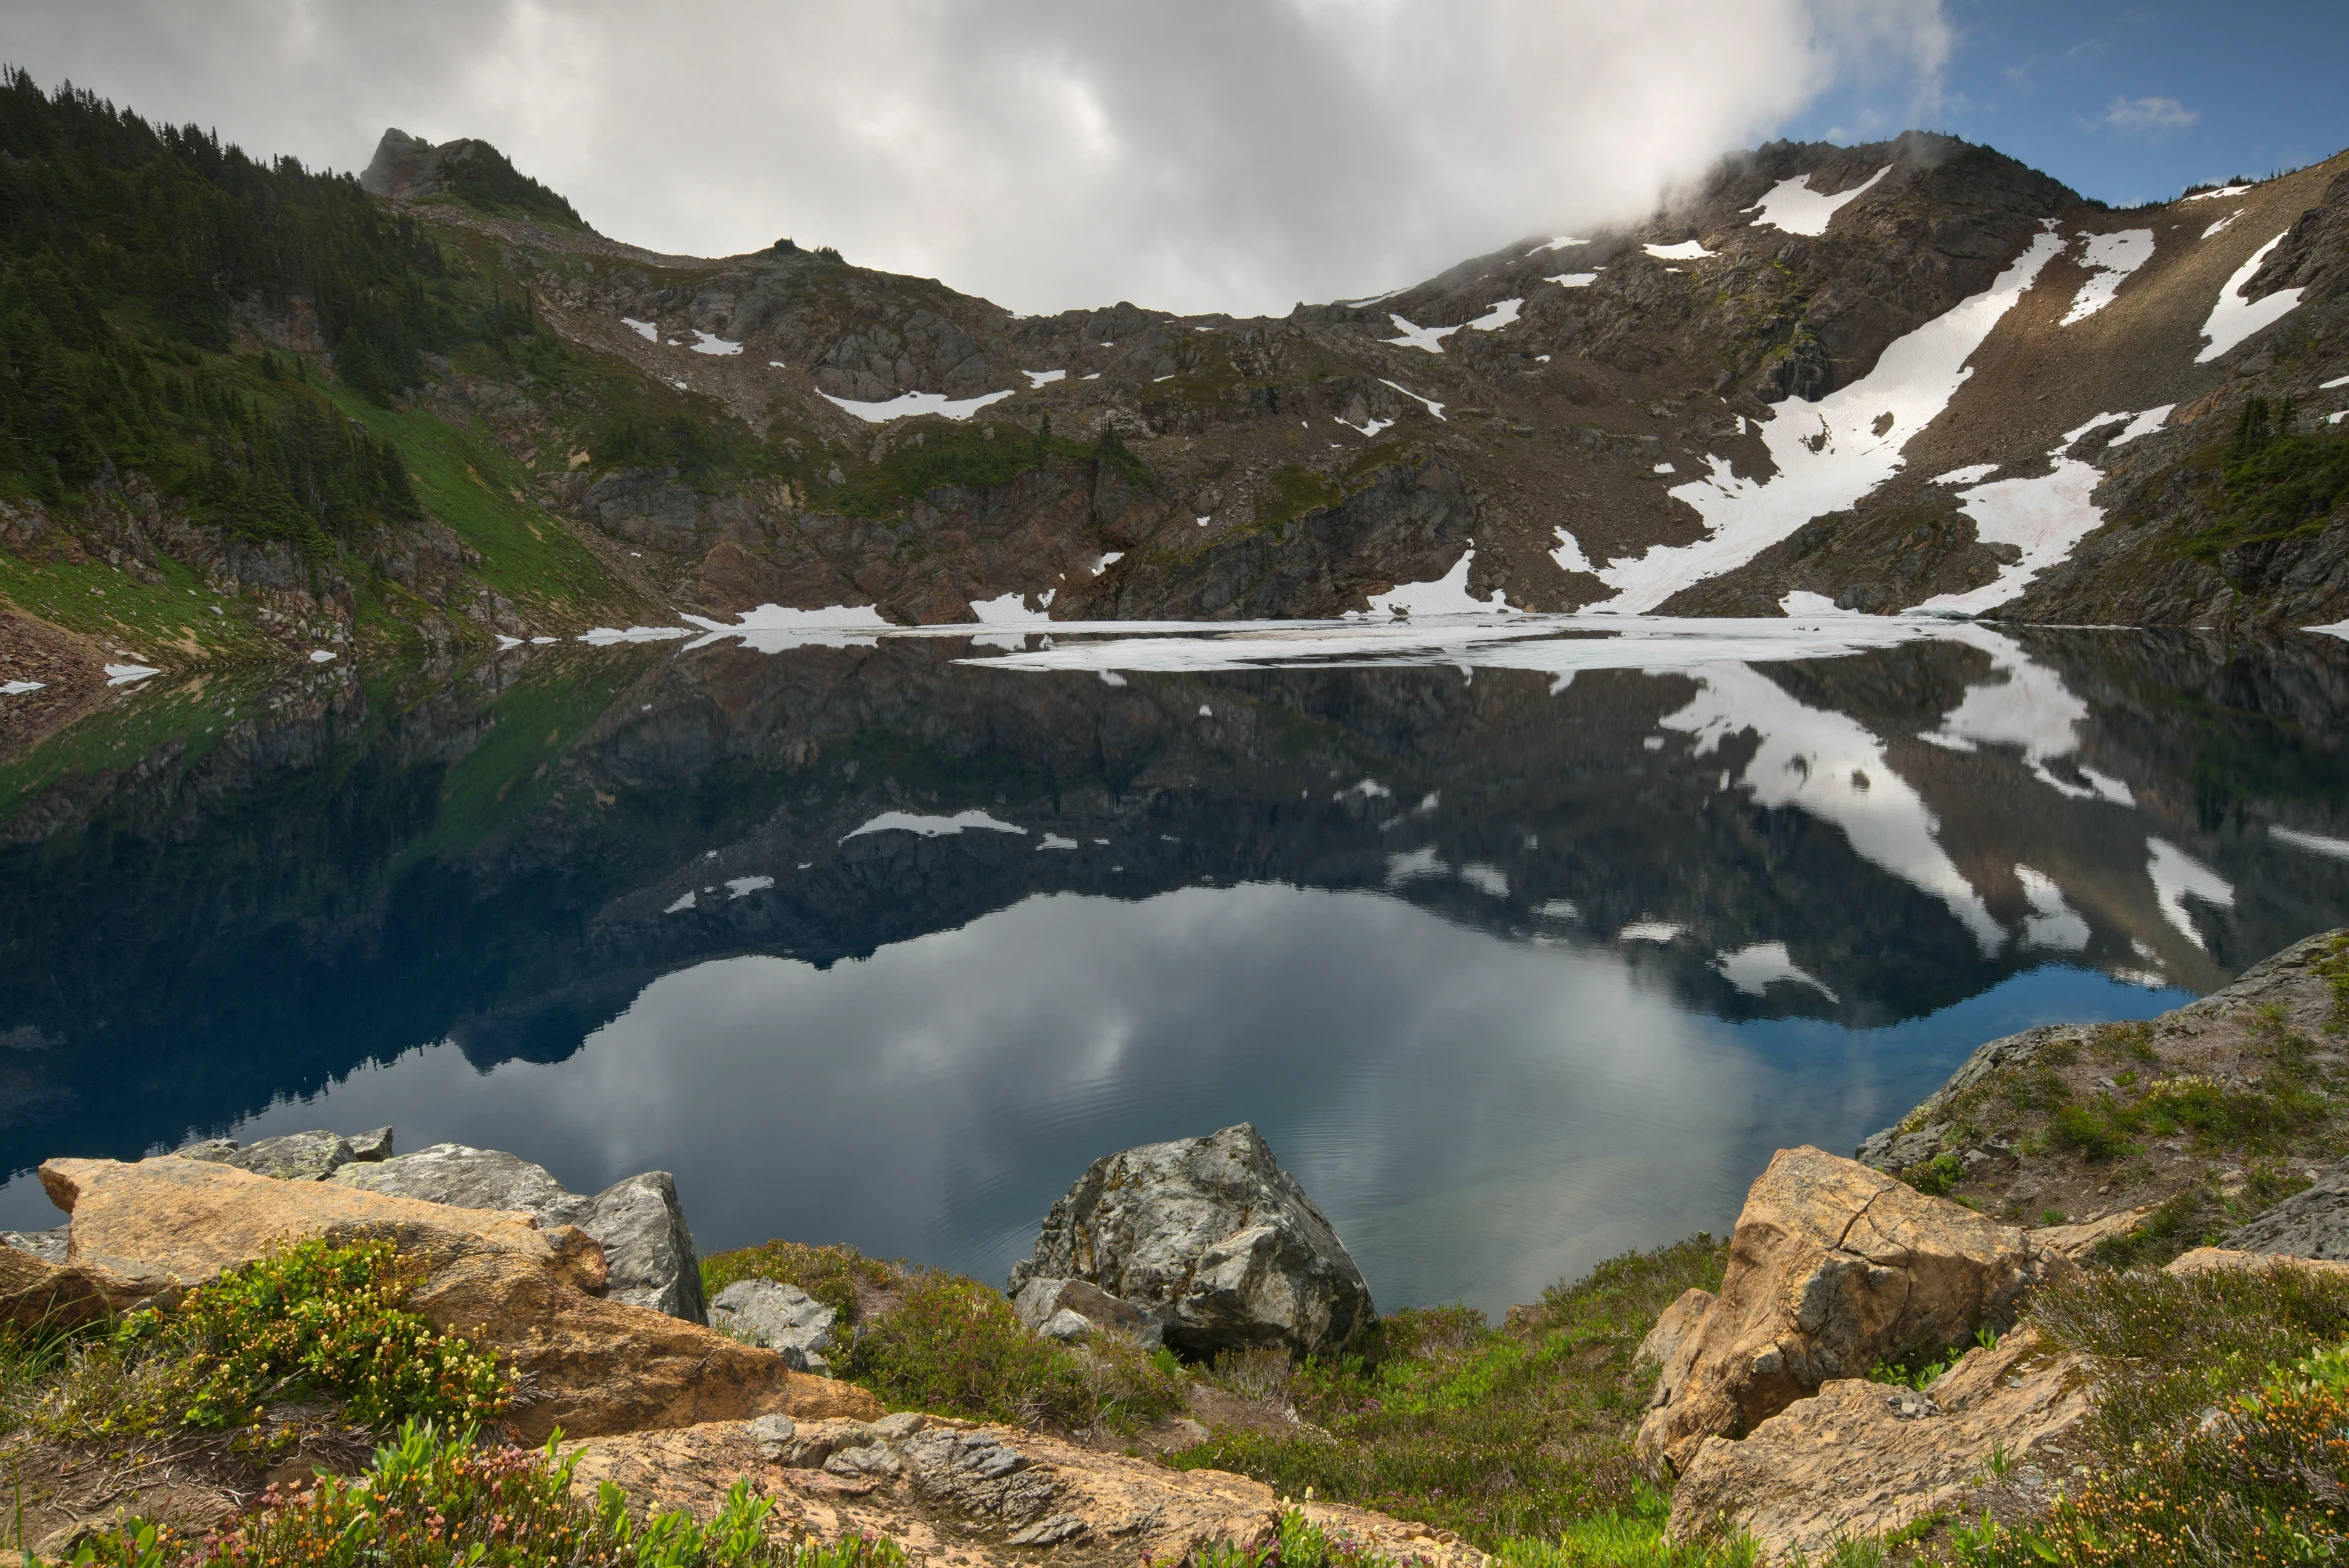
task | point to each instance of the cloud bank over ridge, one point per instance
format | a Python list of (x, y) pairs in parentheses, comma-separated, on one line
[(1214, 154)]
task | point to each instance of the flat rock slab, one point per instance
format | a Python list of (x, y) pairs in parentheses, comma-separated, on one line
[(2310, 1224), (1859, 1458), (589, 1365), (957, 1493)]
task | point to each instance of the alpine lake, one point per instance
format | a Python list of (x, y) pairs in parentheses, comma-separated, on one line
[(1524, 941)]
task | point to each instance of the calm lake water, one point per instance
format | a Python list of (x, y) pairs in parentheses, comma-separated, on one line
[(1524, 943)]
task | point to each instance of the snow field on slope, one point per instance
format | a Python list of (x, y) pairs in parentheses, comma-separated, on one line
[(2043, 517), (2109, 259), (2235, 318), (932, 827), (1913, 381), (906, 404), (1754, 969), (1447, 595), (1795, 208), (1686, 250)]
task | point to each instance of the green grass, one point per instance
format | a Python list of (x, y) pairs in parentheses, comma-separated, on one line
[(1523, 1431), (831, 1274), (1291, 492), (167, 623), (470, 483)]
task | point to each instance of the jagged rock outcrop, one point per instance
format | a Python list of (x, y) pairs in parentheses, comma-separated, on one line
[(532, 1294), (1211, 1237), (2313, 1223), (294, 1156), (1833, 1267), (637, 1221)]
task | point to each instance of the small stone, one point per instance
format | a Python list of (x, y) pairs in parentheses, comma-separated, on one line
[(899, 1427), (1066, 1326)]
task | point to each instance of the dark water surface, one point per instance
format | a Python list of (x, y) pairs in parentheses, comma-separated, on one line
[(1522, 950)]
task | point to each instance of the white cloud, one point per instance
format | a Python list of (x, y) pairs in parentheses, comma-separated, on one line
[(2148, 114), (1045, 153)]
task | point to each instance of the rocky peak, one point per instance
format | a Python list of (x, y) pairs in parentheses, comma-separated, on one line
[(409, 168)]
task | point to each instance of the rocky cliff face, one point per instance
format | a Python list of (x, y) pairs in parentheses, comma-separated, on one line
[(1913, 373)]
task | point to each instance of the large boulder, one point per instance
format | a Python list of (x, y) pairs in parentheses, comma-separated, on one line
[(639, 1223), (1832, 1268), (1859, 1459), (1213, 1239), (585, 1363)]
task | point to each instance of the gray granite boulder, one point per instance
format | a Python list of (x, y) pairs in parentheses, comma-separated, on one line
[(293, 1156), (1214, 1240), (1042, 1303), (781, 1317), (2309, 1224), (648, 1251)]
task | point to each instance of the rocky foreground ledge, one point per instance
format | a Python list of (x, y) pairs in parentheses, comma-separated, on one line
[(1892, 1350)]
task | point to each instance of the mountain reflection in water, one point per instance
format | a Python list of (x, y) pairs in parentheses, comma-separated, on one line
[(1520, 956)]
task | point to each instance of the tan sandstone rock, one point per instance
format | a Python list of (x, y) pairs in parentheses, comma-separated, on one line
[(960, 1495), (589, 1365), (1859, 1458), (1832, 1267), (38, 1295), (2203, 1260)]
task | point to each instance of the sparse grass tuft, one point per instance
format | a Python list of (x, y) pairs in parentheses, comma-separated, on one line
[(829, 1273)]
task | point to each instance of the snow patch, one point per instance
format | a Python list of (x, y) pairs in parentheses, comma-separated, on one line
[(19, 688), (1574, 280), (711, 343), (1055, 841), (2235, 318), (2220, 227), (1447, 595), (2337, 381), (2110, 259), (1569, 554), (2314, 843), (644, 329), (907, 404), (1686, 250), (1433, 406), (606, 636), (1975, 473), (2178, 876), (1428, 338), (1562, 242), (2231, 190), (1827, 453), (932, 827), (2025, 705), (1797, 209), (684, 903), (1371, 425), (1420, 865), (1011, 609), (1043, 378), (1756, 968), (128, 674), (1802, 603), (773, 629), (1650, 931), (2043, 517), (321, 656), (743, 887), (1502, 314), (1491, 881)]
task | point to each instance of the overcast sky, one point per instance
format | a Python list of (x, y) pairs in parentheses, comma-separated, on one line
[(1187, 154)]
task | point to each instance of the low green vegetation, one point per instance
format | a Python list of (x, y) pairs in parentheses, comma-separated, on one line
[(1290, 492), (923, 1339), (435, 1497), (2276, 480), (975, 455), (1518, 1431), (311, 1321)]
